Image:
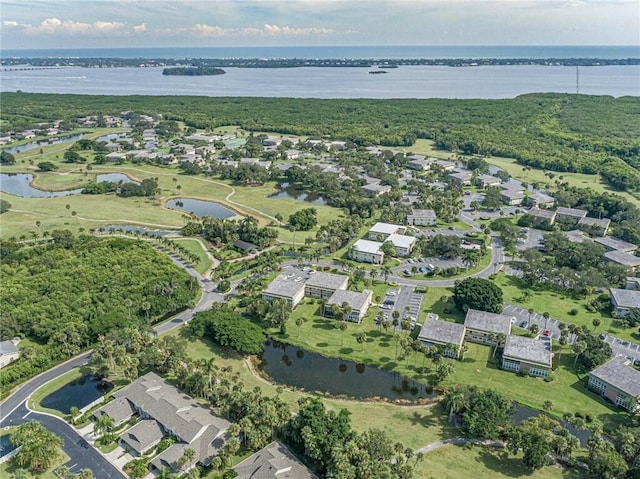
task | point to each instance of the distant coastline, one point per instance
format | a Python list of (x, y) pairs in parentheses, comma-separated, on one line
[(191, 71)]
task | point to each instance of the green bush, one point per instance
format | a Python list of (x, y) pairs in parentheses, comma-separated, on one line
[(573, 312)]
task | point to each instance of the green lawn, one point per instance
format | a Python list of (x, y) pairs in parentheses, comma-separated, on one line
[(195, 246), (461, 462), (7, 468)]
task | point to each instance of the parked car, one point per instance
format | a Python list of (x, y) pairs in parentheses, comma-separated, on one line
[(547, 333), (602, 336)]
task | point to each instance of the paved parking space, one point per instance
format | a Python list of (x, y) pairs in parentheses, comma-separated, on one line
[(533, 239), (405, 300)]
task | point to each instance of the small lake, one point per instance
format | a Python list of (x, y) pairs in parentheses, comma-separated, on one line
[(114, 178), (313, 372), (19, 184), (5, 445), (78, 393), (200, 208), (42, 143), (290, 192)]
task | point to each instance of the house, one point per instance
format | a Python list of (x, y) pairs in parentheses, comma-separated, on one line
[(120, 410), (291, 154), (612, 243), (625, 259), (594, 226), (402, 243), (271, 141), (541, 217), (617, 381), (358, 302), (512, 197), (484, 327), (485, 181), (115, 157), (323, 285), (9, 352), (164, 410), (422, 218), (532, 356), (245, 246), (632, 283), (570, 214), (461, 177), (541, 199), (442, 333), (286, 286), (376, 189), (623, 300), (338, 145), (381, 231), (274, 461), (367, 251)]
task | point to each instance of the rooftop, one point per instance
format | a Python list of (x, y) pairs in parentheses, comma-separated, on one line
[(284, 287), (434, 330), (489, 322), (620, 375), (603, 223), (367, 246), (541, 198), (513, 194), (547, 214), (7, 347), (429, 214), (573, 212), (626, 298), (327, 280), (613, 243), (385, 228), (376, 187), (271, 462), (401, 241), (530, 350), (620, 257), (354, 299), (576, 236)]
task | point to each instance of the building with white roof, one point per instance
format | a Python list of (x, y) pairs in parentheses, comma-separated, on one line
[(444, 334), (381, 231), (623, 300), (532, 356), (367, 251), (484, 327), (287, 287), (357, 302), (422, 218), (402, 243)]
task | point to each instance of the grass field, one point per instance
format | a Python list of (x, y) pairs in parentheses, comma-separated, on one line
[(461, 462), (195, 246)]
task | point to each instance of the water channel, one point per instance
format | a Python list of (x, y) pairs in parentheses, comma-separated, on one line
[(5, 446), (200, 208), (79, 393), (41, 143)]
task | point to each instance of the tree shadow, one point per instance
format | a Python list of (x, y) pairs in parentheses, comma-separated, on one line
[(424, 420), (498, 460), (346, 350), (322, 345)]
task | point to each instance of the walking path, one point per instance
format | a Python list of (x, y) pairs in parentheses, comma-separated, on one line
[(458, 441)]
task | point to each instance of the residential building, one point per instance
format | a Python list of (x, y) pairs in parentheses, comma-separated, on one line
[(617, 381), (367, 251), (164, 410), (625, 259), (274, 461), (512, 197), (323, 285), (358, 303), (381, 231), (485, 181), (418, 163), (444, 334), (541, 199), (115, 157), (402, 243), (632, 283), (623, 300), (594, 226), (484, 327), (291, 154), (245, 246), (461, 177), (541, 217), (570, 214), (532, 356), (9, 352), (445, 165), (422, 218), (611, 243), (286, 286), (576, 236), (376, 189)]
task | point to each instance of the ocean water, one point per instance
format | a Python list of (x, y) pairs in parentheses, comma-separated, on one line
[(429, 52)]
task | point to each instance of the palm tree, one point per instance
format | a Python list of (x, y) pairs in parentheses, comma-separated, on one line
[(187, 457), (500, 338), (299, 322), (457, 401), (546, 316), (469, 258), (342, 326), (530, 311), (578, 348), (361, 338), (103, 424), (386, 271)]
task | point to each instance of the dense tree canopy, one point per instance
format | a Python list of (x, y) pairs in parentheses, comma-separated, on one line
[(228, 328), (478, 293), (39, 446)]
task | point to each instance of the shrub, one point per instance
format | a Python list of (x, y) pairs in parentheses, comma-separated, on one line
[(573, 312)]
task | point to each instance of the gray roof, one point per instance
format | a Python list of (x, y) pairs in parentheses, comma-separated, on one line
[(512, 194), (376, 187), (327, 280), (488, 322), (626, 298), (541, 198), (7, 347), (603, 223), (572, 212), (613, 243), (620, 375), (547, 214), (169, 457), (620, 257), (576, 236), (444, 332), (521, 348), (119, 409), (429, 214), (284, 287), (143, 435), (354, 299), (271, 462)]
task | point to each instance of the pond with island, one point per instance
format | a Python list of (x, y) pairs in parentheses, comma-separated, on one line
[(290, 192), (20, 184), (200, 208)]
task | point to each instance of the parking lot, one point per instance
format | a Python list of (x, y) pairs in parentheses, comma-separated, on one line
[(405, 300), (423, 265)]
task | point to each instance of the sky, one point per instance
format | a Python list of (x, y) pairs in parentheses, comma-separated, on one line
[(36, 24)]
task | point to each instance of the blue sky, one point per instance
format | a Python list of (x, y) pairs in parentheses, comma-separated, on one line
[(184, 23)]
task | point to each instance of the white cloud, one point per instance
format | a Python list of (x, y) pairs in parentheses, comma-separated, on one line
[(204, 30), (141, 28), (55, 26)]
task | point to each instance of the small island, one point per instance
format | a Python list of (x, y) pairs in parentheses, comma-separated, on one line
[(376, 72), (193, 71)]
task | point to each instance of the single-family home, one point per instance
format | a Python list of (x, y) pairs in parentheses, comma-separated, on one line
[(570, 214), (617, 381), (611, 243), (358, 304), (422, 218), (444, 334), (9, 352), (485, 181), (115, 157), (629, 260), (541, 217), (623, 300), (286, 286), (512, 197), (594, 226), (274, 461), (532, 356), (402, 243), (484, 327), (323, 285), (338, 145), (367, 251), (381, 231)]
